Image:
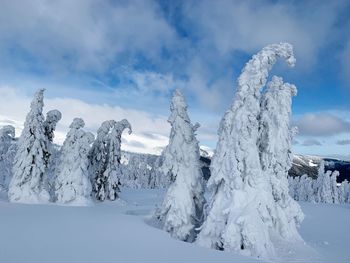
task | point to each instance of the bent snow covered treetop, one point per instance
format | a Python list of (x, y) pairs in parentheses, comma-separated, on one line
[(239, 217)]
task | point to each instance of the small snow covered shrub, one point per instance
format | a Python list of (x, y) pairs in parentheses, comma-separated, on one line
[(72, 185), (182, 209)]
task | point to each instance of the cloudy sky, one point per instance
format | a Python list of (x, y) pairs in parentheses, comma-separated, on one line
[(104, 60)]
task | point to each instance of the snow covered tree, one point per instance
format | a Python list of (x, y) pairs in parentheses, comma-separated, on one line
[(344, 192), (310, 190), (105, 151), (113, 172), (7, 152), (293, 184), (141, 171), (239, 216), (162, 178), (334, 187), (303, 188), (72, 185), (98, 159), (275, 149), (323, 185), (29, 181), (182, 209), (50, 123)]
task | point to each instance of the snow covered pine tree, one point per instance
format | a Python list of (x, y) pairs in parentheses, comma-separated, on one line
[(102, 155), (113, 170), (72, 185), (98, 159), (7, 138), (50, 123), (243, 207), (182, 208), (275, 144), (29, 182)]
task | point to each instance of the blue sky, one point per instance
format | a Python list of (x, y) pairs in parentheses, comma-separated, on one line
[(122, 59)]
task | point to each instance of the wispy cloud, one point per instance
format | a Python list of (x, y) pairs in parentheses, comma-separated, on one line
[(343, 142), (321, 124), (311, 142)]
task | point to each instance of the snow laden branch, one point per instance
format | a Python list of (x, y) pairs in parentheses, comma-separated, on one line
[(182, 208), (243, 209), (52, 118)]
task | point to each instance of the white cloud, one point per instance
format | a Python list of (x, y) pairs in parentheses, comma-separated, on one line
[(343, 142), (311, 142), (249, 25), (321, 124), (82, 34)]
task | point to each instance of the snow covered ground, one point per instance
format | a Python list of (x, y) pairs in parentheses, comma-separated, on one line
[(120, 232)]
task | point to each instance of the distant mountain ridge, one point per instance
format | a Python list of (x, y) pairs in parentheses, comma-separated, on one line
[(302, 164), (305, 164)]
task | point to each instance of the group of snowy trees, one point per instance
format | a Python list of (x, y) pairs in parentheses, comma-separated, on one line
[(323, 189), (250, 202), (143, 171), (85, 168), (250, 207)]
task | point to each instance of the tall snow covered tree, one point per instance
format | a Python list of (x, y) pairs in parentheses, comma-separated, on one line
[(98, 159), (7, 138), (50, 123), (72, 185), (239, 216), (275, 147), (105, 151), (182, 208), (29, 181), (112, 175)]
